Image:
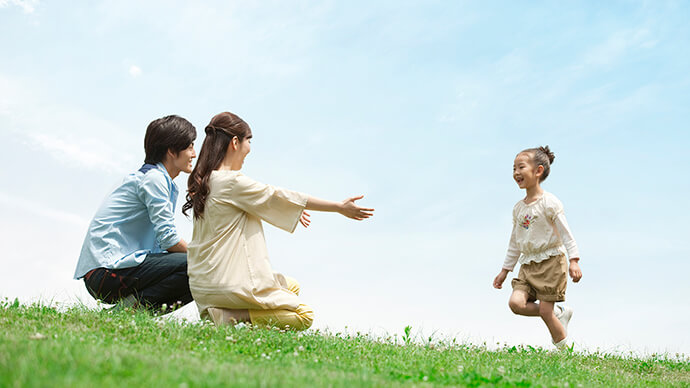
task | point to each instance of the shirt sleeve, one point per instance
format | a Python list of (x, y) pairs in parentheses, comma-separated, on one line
[(513, 253), (279, 207), (566, 235), (155, 194), (555, 212)]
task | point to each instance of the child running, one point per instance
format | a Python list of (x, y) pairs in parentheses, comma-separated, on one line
[(539, 241)]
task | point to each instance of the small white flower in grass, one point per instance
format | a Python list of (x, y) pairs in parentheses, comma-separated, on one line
[(37, 336), (337, 357), (278, 351), (425, 378), (501, 370), (461, 368), (240, 325), (258, 341), (295, 353), (316, 360), (301, 348), (229, 338)]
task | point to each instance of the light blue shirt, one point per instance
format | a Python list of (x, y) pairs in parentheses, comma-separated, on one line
[(136, 219)]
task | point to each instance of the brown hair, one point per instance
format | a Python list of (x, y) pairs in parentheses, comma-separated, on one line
[(219, 133), (542, 156), (167, 133)]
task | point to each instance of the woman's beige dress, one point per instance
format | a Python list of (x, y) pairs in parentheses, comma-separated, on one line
[(228, 263)]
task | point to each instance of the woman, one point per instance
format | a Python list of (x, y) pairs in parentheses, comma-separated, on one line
[(230, 275)]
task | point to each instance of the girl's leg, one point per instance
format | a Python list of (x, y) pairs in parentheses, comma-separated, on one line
[(555, 327), (520, 304)]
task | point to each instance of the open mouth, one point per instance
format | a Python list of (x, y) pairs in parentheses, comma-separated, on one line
[(519, 180)]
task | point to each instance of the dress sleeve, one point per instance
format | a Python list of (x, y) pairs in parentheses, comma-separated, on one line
[(155, 194), (279, 207)]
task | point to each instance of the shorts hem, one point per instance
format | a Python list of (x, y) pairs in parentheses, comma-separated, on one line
[(551, 297)]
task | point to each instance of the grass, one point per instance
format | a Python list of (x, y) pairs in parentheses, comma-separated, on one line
[(40, 346)]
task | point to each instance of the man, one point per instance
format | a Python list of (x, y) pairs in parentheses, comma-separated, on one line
[(132, 254)]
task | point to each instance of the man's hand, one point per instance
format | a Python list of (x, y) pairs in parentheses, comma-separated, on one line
[(500, 278), (575, 271)]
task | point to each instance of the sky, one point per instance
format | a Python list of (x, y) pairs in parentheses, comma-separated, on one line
[(419, 106)]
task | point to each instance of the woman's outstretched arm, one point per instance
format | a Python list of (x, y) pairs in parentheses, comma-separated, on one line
[(347, 207)]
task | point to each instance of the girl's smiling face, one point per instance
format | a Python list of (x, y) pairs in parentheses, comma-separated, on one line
[(525, 173)]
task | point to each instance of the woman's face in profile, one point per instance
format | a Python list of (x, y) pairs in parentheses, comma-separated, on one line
[(244, 148)]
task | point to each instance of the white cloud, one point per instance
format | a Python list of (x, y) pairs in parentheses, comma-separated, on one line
[(89, 153), (69, 134), (617, 45), (41, 210), (134, 71), (29, 6)]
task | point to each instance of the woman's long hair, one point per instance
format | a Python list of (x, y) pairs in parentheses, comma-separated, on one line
[(219, 133)]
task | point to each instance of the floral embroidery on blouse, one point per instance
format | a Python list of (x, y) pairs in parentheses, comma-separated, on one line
[(528, 220)]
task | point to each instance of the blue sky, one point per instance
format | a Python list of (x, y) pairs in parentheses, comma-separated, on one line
[(421, 106)]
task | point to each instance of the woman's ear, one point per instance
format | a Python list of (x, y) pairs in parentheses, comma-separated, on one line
[(235, 143), (540, 170)]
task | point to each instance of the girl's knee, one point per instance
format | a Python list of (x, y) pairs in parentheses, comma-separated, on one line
[(516, 306)]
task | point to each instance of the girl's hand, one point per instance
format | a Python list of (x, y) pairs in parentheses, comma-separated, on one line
[(575, 271), (349, 209), (304, 219), (500, 278)]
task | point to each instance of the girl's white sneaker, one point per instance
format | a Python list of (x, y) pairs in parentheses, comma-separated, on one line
[(564, 313)]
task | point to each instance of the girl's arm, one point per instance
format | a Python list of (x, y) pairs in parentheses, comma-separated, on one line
[(347, 207), (509, 263), (570, 246)]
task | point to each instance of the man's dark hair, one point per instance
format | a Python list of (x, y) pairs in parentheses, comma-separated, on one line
[(167, 133)]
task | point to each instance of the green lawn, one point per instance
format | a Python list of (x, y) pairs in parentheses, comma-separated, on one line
[(40, 346)]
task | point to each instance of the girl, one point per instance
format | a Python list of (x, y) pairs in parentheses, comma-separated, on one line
[(230, 275), (539, 241)]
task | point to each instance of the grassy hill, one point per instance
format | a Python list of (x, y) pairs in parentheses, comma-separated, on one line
[(40, 346)]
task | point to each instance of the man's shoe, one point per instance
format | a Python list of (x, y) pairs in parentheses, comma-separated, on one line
[(128, 302)]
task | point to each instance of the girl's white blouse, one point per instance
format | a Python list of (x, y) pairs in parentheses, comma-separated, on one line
[(540, 231)]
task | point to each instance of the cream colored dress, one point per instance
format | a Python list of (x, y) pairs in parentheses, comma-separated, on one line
[(228, 262)]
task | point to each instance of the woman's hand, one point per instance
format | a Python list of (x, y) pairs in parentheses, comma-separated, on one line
[(349, 209), (304, 219)]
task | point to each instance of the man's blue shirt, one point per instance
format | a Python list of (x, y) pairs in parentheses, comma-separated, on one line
[(136, 219)]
